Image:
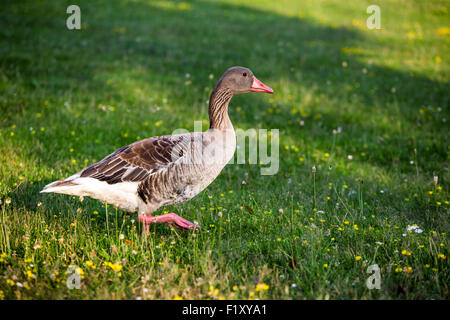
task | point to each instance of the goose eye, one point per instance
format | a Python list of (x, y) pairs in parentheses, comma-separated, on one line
[(244, 74)]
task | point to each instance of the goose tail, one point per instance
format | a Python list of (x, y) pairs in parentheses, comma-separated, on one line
[(62, 186)]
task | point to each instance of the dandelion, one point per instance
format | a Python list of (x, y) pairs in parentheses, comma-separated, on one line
[(325, 265), (355, 226), (444, 31), (213, 291), (357, 258), (261, 287), (441, 256), (114, 267)]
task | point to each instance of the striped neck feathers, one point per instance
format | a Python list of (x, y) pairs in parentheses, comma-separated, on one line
[(218, 108)]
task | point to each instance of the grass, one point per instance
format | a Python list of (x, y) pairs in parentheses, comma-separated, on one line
[(144, 68)]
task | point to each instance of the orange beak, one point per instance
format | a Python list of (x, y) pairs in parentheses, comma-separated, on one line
[(258, 86)]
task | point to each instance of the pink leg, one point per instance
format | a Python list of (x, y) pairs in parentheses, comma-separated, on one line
[(170, 219)]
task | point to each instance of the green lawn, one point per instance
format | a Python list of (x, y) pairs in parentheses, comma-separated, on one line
[(142, 68)]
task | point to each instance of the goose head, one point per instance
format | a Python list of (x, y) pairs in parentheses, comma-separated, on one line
[(241, 80)]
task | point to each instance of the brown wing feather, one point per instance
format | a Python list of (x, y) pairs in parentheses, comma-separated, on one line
[(136, 161)]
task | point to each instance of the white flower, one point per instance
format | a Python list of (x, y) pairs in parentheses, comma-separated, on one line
[(121, 237), (350, 157)]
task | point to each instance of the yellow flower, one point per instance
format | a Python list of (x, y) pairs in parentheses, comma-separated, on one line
[(213, 291), (444, 31), (235, 288), (346, 222), (442, 256), (114, 267), (437, 59), (261, 286), (30, 275), (406, 252), (10, 282), (357, 258), (325, 265), (355, 226), (408, 270)]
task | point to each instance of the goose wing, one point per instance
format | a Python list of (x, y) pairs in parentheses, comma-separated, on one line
[(137, 161)]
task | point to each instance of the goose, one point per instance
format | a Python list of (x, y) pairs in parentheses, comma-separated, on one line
[(166, 170)]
